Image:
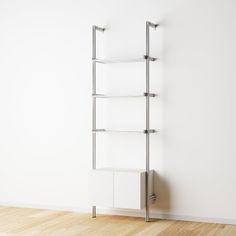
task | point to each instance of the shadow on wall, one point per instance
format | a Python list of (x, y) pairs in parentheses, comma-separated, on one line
[(162, 190)]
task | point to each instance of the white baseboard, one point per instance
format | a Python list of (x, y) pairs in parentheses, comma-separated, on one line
[(157, 215), (123, 212)]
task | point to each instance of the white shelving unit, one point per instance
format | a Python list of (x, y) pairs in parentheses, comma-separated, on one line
[(122, 188)]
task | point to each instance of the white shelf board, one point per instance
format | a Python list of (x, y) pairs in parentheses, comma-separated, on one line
[(124, 95), (124, 131), (123, 60)]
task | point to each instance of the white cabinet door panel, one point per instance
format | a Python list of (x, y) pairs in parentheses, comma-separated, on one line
[(101, 188), (129, 190)]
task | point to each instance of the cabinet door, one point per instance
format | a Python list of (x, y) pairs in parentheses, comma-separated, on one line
[(101, 188), (129, 190)]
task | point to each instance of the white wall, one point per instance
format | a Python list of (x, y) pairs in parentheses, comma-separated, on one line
[(45, 102)]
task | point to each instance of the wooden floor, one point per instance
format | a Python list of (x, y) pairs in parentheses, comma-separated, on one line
[(35, 222)]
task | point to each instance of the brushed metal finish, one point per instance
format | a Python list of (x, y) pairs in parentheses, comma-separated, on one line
[(94, 89), (148, 25)]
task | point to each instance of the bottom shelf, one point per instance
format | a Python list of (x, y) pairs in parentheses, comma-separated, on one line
[(119, 188)]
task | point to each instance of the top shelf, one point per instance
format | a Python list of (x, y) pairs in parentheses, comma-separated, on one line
[(123, 60)]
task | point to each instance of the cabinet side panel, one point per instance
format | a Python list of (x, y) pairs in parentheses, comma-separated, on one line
[(142, 190)]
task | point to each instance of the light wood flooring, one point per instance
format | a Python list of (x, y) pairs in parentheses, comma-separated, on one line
[(36, 222)]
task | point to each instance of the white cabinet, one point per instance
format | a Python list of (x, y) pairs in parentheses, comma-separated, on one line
[(118, 188)]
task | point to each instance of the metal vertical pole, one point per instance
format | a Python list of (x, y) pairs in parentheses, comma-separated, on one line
[(94, 90), (94, 107), (148, 25), (147, 124)]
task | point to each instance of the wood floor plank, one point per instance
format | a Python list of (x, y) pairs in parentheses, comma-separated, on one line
[(36, 222)]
